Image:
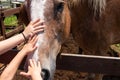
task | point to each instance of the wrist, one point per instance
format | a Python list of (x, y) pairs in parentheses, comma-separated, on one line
[(36, 78), (24, 36), (23, 52), (36, 75), (27, 35)]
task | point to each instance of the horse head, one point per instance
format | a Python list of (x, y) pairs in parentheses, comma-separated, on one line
[(54, 14)]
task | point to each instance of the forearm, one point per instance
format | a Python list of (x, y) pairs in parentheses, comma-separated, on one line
[(10, 43), (11, 69)]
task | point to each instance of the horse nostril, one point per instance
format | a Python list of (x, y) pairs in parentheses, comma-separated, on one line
[(45, 74)]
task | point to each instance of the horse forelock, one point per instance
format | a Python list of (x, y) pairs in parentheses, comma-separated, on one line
[(97, 5)]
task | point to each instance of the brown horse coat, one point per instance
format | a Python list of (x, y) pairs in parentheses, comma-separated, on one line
[(95, 26)]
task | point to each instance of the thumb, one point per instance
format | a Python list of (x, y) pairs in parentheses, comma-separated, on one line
[(34, 48), (25, 74)]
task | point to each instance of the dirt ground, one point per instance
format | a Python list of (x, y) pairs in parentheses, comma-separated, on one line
[(69, 47)]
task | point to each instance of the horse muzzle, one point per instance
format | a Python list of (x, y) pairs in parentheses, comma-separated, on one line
[(45, 74)]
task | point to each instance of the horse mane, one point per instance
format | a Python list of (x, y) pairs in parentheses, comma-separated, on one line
[(97, 5), (23, 17)]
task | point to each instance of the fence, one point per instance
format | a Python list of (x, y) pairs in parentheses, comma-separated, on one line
[(6, 13)]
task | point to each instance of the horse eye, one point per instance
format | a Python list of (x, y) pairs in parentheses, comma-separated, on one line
[(60, 7)]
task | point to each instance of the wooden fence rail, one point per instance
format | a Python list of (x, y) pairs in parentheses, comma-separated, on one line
[(76, 62), (9, 12), (88, 63)]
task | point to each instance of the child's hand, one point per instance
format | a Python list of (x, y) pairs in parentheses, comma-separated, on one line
[(33, 28), (34, 70), (30, 47)]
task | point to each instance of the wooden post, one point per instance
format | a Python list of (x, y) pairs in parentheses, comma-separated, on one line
[(2, 27), (0, 18)]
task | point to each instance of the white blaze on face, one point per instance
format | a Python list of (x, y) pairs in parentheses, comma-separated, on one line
[(37, 9), (37, 12)]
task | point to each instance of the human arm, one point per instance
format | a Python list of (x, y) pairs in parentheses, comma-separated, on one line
[(34, 70), (11, 69), (33, 28)]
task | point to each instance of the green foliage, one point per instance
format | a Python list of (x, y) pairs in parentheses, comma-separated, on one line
[(11, 21), (118, 46)]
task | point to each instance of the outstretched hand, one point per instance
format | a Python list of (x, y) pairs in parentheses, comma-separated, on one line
[(33, 28), (34, 70), (30, 47)]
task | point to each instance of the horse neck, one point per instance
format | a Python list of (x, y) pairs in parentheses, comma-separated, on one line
[(82, 10), (93, 8)]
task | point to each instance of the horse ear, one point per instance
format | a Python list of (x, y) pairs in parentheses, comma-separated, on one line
[(23, 17)]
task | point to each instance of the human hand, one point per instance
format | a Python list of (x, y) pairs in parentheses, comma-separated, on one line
[(34, 70), (33, 28), (30, 47)]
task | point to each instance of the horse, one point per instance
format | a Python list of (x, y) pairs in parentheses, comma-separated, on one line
[(56, 16), (94, 24)]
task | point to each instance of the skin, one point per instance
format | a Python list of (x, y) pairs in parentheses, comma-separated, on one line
[(33, 28), (34, 70), (11, 69), (30, 32)]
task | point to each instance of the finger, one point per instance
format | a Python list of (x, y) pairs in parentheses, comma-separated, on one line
[(36, 21), (38, 31), (37, 24), (33, 38), (39, 64), (24, 74), (35, 41), (30, 38), (32, 35), (31, 63), (29, 68), (34, 62), (40, 27), (31, 23), (34, 48)]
